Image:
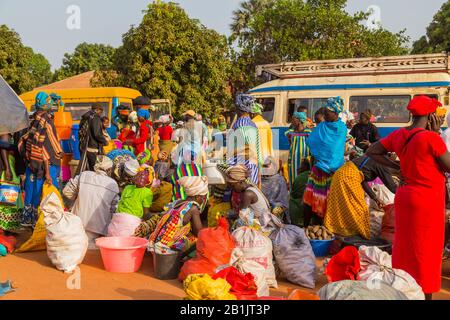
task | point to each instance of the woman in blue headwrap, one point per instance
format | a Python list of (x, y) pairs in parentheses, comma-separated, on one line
[(298, 150), (244, 142), (144, 136), (327, 146)]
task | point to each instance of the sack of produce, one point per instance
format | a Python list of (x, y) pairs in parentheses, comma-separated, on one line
[(359, 290), (257, 247), (376, 266), (244, 265), (294, 255), (214, 247), (66, 239), (388, 224)]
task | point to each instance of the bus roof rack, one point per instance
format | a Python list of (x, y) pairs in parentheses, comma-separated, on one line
[(420, 63)]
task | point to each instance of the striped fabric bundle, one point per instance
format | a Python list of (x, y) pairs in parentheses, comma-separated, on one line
[(184, 170)]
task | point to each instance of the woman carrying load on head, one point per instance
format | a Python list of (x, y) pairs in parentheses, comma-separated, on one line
[(298, 150), (327, 146), (180, 224), (243, 144), (347, 210), (420, 200)]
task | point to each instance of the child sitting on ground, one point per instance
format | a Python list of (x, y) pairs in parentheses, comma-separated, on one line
[(134, 206)]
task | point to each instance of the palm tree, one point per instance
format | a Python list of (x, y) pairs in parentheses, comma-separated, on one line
[(243, 15)]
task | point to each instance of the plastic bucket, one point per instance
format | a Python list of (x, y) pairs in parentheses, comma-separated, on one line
[(376, 242), (122, 254), (66, 174), (63, 123), (66, 146), (166, 266), (321, 247)]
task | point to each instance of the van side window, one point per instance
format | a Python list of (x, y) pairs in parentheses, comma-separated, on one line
[(78, 109), (386, 109), (311, 104), (269, 108)]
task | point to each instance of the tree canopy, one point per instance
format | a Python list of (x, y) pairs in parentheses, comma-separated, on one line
[(174, 57), (268, 31), (86, 57), (437, 38), (22, 69)]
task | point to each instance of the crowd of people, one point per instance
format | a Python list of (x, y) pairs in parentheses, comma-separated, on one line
[(149, 182)]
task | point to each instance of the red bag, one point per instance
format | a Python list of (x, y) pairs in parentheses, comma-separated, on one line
[(243, 285), (8, 241), (388, 224), (214, 246), (344, 265)]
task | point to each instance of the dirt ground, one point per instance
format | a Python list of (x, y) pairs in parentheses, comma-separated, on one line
[(35, 278)]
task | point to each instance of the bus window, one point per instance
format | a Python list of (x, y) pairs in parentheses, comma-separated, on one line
[(312, 104), (386, 109), (269, 108), (433, 96), (79, 109)]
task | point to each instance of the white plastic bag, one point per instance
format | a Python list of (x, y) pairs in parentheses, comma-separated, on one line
[(243, 265), (376, 223), (257, 247), (382, 193), (66, 239), (376, 266)]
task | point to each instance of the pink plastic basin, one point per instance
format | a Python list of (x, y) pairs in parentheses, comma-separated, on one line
[(122, 254)]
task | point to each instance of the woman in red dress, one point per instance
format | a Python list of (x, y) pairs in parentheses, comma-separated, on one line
[(420, 200)]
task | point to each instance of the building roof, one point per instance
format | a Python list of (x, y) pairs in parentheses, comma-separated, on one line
[(82, 80)]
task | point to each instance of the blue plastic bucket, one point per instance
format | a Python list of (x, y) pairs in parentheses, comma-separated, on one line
[(321, 247), (9, 194), (75, 142), (66, 146)]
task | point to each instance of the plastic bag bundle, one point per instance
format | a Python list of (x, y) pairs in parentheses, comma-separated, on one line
[(376, 266), (66, 239), (344, 265), (257, 247), (203, 287), (294, 255), (359, 290), (243, 285), (214, 247)]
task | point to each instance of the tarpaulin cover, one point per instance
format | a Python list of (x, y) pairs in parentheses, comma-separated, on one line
[(13, 114)]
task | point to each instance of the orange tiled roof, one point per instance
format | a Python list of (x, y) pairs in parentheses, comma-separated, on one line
[(82, 80)]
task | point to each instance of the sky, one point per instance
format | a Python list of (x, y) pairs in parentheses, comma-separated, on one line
[(42, 24)]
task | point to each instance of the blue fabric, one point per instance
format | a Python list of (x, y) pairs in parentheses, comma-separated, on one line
[(43, 101), (335, 104), (244, 102), (327, 145), (244, 122), (33, 186), (144, 114), (300, 116)]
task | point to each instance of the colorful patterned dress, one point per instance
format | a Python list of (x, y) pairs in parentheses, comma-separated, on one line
[(244, 147), (184, 170), (298, 151)]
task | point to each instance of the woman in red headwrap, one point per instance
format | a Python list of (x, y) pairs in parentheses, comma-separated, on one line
[(420, 200)]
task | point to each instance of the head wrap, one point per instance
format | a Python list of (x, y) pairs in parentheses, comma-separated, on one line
[(257, 108), (300, 116), (335, 104), (194, 186), (133, 117), (423, 105), (270, 167), (131, 167), (103, 164), (142, 101), (245, 102), (148, 173), (143, 113), (180, 123), (238, 173), (190, 113), (164, 119), (43, 101)]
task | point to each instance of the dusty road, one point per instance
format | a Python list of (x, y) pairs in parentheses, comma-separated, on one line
[(35, 278)]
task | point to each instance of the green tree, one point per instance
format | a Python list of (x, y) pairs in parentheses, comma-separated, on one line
[(174, 57), (86, 57), (19, 65), (438, 33), (296, 30)]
